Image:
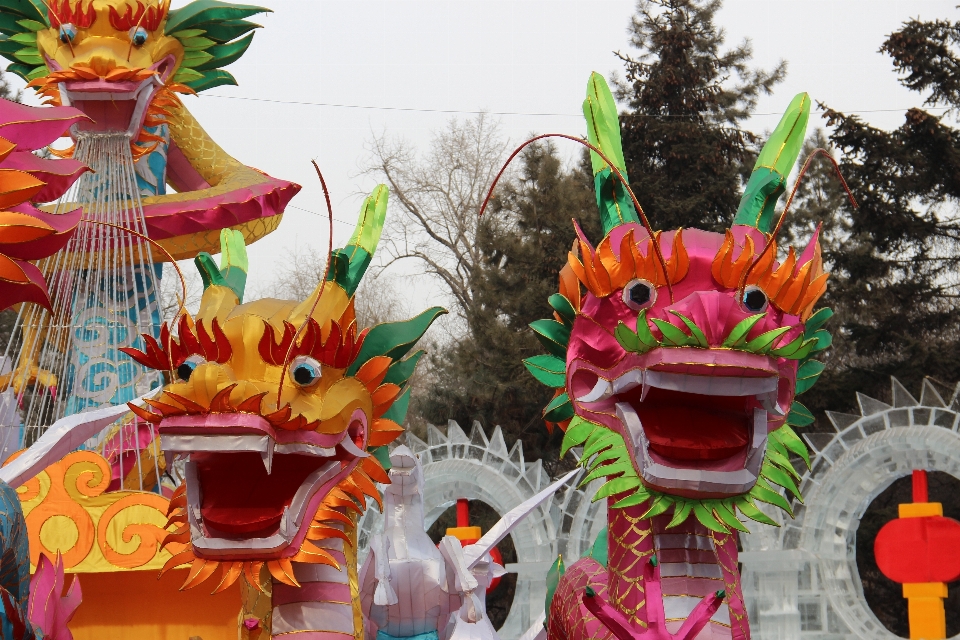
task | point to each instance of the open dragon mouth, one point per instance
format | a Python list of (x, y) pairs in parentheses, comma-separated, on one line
[(115, 100), (697, 435), (252, 490)]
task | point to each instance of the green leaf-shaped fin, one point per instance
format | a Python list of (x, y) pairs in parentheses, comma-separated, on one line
[(599, 549), (207, 30), (603, 131), (554, 574), (398, 410), (233, 268), (400, 371), (196, 14), (777, 157), (19, 22), (351, 262), (30, 9), (394, 339)]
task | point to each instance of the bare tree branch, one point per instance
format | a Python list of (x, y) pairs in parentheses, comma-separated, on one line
[(439, 192)]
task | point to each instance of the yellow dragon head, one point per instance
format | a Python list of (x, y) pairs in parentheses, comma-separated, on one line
[(122, 61), (123, 64), (280, 406)]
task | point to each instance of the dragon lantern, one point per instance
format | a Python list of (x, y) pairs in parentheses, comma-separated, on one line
[(284, 409), (124, 63), (676, 357)]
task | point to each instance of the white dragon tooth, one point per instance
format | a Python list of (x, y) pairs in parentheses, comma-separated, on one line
[(351, 448), (629, 380), (769, 402), (629, 419), (267, 456), (643, 394), (600, 391)]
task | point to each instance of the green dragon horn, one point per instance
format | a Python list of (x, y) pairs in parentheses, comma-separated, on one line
[(348, 264), (234, 265), (603, 131), (777, 157)]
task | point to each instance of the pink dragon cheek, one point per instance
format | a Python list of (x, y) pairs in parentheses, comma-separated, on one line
[(786, 391)]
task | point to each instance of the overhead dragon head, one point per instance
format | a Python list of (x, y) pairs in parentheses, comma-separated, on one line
[(276, 465), (122, 61), (676, 358)]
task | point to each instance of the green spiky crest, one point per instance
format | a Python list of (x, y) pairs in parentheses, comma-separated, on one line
[(214, 34), (20, 20)]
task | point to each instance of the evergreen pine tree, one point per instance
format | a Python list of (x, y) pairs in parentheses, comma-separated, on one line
[(524, 240), (895, 259), (684, 143)]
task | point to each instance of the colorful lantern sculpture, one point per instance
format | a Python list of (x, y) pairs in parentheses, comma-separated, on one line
[(283, 408), (126, 64), (676, 357)]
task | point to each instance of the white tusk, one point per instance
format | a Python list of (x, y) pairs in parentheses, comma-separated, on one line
[(267, 456), (600, 391), (351, 448)]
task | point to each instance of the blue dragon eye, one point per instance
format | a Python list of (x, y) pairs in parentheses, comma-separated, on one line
[(138, 35), (185, 370), (67, 32), (305, 371)]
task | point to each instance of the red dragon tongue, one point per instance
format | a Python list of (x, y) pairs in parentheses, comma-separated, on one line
[(688, 427), (240, 498)]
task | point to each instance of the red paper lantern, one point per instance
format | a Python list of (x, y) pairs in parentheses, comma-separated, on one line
[(924, 549)]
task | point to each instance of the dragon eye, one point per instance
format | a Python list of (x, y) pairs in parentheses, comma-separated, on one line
[(67, 32), (305, 371), (639, 294), (138, 35), (185, 370), (755, 300)]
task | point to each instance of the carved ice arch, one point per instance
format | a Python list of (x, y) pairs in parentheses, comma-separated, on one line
[(801, 580), (457, 465)]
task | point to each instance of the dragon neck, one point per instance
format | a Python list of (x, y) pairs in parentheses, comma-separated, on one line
[(694, 562), (193, 145), (326, 605)]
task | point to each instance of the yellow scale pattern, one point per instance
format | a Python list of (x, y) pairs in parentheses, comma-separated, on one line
[(729, 566), (627, 555), (568, 599)]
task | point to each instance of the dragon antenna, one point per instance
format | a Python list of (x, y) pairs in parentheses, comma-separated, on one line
[(181, 300), (616, 172), (143, 14), (60, 20), (783, 214), (323, 283)]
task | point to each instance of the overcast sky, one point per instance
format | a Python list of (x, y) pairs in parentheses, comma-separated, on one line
[(510, 56)]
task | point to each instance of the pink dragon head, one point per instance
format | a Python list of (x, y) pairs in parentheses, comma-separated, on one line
[(676, 356)]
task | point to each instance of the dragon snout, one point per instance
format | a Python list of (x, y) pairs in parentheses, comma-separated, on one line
[(714, 312), (207, 380)]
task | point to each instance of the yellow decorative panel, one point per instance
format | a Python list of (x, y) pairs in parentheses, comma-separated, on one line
[(67, 511)]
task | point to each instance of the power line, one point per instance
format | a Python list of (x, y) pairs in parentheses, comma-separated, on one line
[(518, 113), (290, 206)]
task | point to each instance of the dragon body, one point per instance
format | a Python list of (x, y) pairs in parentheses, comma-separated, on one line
[(676, 359), (282, 410)]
